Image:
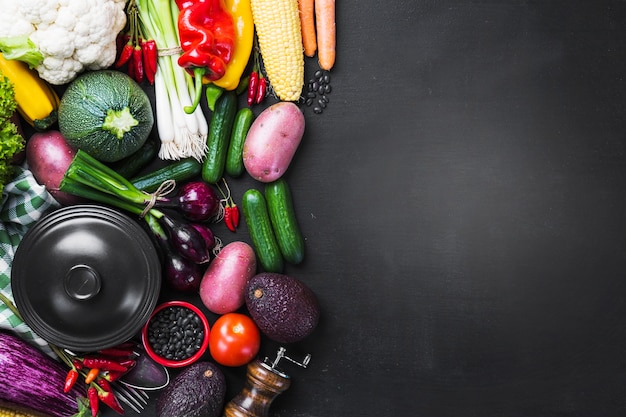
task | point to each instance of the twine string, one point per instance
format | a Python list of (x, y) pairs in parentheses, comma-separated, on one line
[(164, 189)]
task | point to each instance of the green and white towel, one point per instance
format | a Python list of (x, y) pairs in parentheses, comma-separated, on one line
[(23, 202)]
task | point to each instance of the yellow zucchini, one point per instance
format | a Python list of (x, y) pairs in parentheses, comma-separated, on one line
[(37, 102)]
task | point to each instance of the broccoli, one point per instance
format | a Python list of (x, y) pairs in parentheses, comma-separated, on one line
[(11, 141)]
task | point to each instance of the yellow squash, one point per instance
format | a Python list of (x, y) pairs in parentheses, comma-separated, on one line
[(36, 101), (241, 12)]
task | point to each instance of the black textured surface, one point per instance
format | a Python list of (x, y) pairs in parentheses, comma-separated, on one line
[(463, 200)]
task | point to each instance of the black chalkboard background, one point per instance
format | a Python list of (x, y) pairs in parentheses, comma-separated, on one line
[(463, 199)]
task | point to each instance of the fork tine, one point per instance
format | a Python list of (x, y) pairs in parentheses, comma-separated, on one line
[(135, 399)]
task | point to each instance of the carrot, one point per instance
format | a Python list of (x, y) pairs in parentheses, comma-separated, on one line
[(307, 25), (326, 35)]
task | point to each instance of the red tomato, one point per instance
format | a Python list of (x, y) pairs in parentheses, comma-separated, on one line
[(234, 339)]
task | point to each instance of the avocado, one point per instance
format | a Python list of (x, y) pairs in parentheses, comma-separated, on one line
[(283, 307), (199, 390)]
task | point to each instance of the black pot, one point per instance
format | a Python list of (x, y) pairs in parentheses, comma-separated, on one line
[(86, 277)]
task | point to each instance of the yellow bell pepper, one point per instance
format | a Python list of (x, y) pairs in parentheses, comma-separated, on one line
[(241, 13)]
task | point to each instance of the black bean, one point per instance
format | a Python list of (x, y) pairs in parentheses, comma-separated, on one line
[(319, 74), (317, 110), (175, 333), (326, 78), (325, 99)]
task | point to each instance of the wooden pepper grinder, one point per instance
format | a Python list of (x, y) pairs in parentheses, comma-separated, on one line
[(264, 382)]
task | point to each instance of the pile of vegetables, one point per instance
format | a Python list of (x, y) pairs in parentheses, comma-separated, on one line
[(230, 56)]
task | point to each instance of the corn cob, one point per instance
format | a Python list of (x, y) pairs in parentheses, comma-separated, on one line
[(277, 25), (6, 411), (36, 101)]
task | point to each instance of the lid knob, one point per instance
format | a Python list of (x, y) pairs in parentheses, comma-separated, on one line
[(82, 282)]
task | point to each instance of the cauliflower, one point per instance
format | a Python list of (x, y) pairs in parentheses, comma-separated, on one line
[(61, 38)]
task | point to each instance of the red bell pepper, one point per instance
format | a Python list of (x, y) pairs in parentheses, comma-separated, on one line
[(207, 38)]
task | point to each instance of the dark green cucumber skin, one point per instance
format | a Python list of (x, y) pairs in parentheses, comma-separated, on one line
[(219, 134), (132, 165), (284, 221), (234, 157), (257, 219), (182, 170)]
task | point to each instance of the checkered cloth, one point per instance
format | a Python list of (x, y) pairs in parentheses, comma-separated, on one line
[(23, 202)]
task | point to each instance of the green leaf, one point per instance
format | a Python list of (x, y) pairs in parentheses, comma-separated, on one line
[(83, 408), (22, 49)]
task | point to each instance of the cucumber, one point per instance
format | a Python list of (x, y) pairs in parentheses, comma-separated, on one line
[(257, 219), (284, 222), (219, 134), (181, 170), (234, 156), (132, 165)]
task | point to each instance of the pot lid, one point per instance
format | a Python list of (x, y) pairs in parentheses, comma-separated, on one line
[(86, 277)]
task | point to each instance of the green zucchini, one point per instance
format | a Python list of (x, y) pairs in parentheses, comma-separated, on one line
[(133, 164), (284, 222), (219, 134), (181, 170), (234, 156), (257, 219)]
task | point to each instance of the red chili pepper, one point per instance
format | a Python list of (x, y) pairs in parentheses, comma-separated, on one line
[(234, 213), (127, 52), (127, 363), (70, 380), (77, 364), (103, 364), (113, 375), (104, 384), (260, 94), (228, 218), (130, 70), (92, 396), (138, 61), (109, 399), (252, 87), (92, 375), (150, 58), (207, 38), (123, 352)]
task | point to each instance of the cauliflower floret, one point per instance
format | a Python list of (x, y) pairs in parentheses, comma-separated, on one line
[(38, 11), (57, 71), (48, 43), (70, 35), (9, 25)]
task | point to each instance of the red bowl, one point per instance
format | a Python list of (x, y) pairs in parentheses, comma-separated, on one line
[(169, 362)]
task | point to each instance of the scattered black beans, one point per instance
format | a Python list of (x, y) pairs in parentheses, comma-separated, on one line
[(318, 88), (175, 333)]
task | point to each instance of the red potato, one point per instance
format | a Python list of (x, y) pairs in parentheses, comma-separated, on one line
[(223, 284), (272, 141), (48, 155)]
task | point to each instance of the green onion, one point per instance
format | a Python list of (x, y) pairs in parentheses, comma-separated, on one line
[(89, 178), (182, 135)]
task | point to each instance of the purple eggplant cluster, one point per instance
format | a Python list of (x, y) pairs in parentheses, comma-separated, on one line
[(188, 243)]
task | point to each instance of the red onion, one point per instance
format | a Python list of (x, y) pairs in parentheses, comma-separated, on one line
[(196, 200), (186, 240), (206, 233)]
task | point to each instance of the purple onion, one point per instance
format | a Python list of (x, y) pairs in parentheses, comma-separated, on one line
[(206, 233), (197, 201), (182, 274), (186, 240)]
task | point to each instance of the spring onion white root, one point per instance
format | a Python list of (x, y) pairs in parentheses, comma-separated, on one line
[(182, 135)]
